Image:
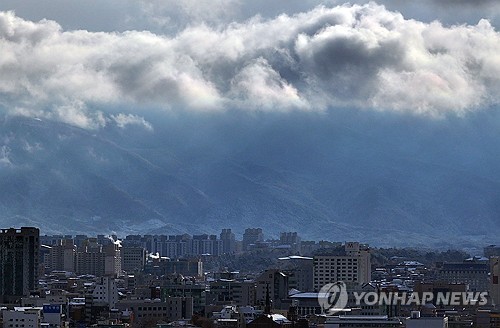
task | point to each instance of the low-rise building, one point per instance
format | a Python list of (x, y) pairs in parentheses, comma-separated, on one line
[(417, 321), (22, 317), (171, 309), (472, 273), (362, 321)]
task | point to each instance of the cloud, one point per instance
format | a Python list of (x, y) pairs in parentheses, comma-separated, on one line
[(74, 113), (123, 120), (31, 148), (361, 56), (5, 156), (260, 86)]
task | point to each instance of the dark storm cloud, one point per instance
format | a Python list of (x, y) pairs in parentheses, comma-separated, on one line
[(346, 64)]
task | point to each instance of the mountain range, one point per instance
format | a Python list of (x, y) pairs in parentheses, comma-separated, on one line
[(386, 179)]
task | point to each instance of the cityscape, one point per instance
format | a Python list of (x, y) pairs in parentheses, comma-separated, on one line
[(250, 164), (197, 281)]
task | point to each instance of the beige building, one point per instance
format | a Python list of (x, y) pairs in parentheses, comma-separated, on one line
[(350, 264), (62, 256), (113, 260)]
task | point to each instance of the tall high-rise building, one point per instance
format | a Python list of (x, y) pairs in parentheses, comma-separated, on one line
[(272, 283), (228, 241), (96, 259), (350, 264), (133, 258), (292, 239), (19, 254), (252, 236), (90, 258), (62, 256), (113, 259), (206, 244)]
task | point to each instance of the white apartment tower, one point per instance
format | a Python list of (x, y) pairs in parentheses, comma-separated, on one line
[(105, 292), (112, 260), (350, 264)]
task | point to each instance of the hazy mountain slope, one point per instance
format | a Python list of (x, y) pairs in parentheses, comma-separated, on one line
[(68, 175), (384, 180)]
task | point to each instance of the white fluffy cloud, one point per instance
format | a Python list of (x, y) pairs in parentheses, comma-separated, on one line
[(123, 120), (351, 55), (260, 86)]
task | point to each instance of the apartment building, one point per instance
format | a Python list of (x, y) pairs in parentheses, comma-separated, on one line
[(350, 264), (19, 256)]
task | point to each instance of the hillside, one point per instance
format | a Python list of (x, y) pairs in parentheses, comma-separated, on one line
[(379, 179)]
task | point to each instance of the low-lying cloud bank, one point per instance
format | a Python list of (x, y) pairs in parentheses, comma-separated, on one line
[(362, 56)]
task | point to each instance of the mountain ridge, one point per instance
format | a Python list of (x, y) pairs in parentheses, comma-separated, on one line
[(325, 177)]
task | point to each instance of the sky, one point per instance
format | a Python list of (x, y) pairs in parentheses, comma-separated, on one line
[(92, 63)]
